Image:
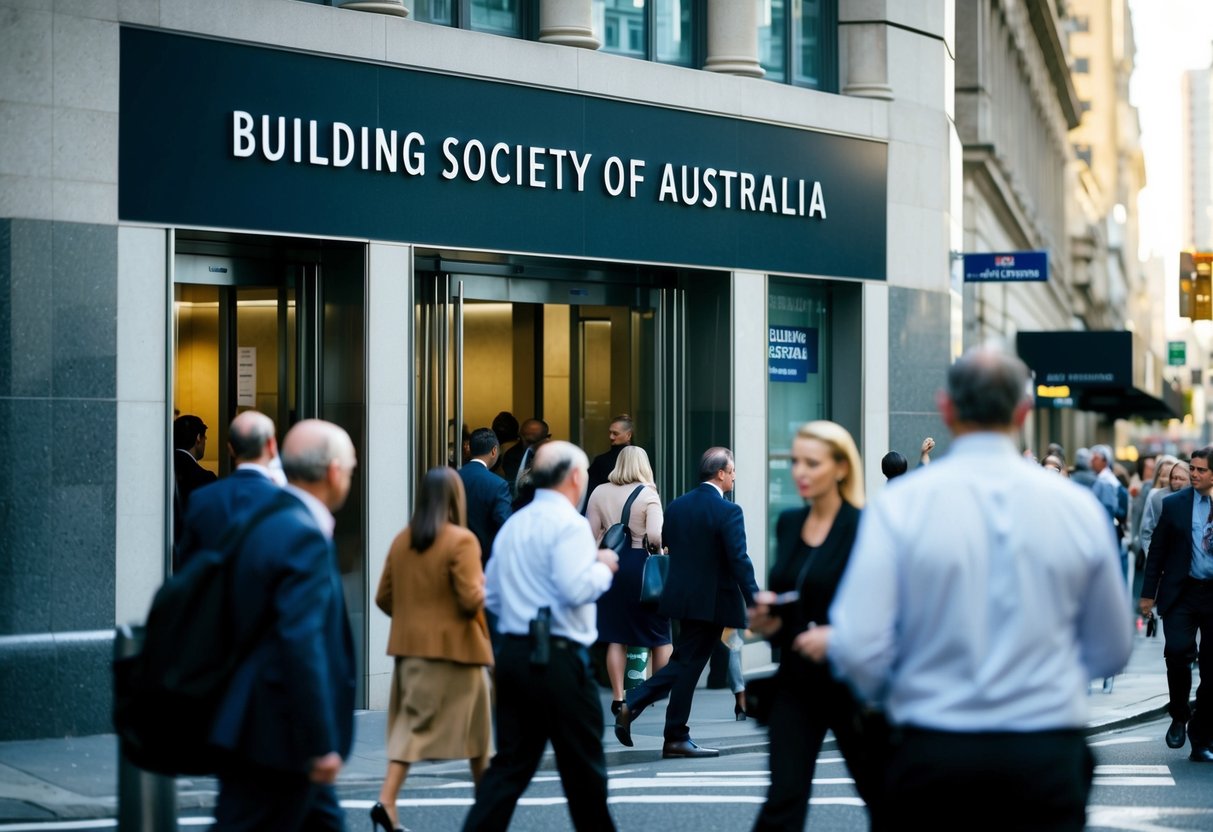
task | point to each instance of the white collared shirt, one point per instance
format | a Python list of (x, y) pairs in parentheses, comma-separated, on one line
[(324, 517), (983, 593), (546, 556)]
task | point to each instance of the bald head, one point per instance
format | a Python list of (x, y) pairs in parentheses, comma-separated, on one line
[(318, 457), (251, 438)]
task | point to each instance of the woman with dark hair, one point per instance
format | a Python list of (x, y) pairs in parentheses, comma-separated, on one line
[(813, 546), (433, 589)]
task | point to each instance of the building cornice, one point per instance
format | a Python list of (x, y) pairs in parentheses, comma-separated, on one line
[(1045, 25)]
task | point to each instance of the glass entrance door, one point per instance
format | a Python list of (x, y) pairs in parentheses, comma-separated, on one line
[(573, 354)]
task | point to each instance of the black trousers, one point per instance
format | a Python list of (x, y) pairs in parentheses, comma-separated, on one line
[(678, 679), (807, 703), (252, 799), (559, 704), (999, 781), (1192, 612)]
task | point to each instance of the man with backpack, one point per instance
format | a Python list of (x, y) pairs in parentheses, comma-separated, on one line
[(285, 723)]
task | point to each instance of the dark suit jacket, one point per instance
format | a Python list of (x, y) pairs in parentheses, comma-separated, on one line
[(488, 503), (221, 506), (817, 581), (711, 577), (601, 468), (292, 699), (1170, 557), (511, 461), (189, 474)]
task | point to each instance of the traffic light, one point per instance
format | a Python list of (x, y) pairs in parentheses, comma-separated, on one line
[(1187, 279), (1196, 285)]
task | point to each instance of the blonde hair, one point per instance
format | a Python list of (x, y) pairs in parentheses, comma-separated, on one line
[(632, 466), (842, 448), (1167, 462)]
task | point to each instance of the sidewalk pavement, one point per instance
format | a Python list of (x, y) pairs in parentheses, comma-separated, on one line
[(77, 777)]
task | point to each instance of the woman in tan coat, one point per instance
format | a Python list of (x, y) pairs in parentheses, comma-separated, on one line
[(433, 589)]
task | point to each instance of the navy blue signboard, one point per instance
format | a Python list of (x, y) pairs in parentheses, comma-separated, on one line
[(226, 135), (1012, 266), (791, 353)]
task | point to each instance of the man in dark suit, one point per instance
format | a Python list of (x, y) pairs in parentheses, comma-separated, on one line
[(1179, 582), (518, 458), (710, 585), (189, 446), (488, 495), (620, 435), (228, 503), (286, 721)]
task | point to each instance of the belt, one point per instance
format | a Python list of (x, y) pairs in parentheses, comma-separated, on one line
[(559, 642)]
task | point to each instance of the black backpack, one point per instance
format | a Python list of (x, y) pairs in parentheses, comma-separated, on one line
[(167, 692)]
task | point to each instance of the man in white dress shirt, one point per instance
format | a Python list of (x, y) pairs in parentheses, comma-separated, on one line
[(546, 556), (981, 597)]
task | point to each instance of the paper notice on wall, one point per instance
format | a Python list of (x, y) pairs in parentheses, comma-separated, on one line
[(246, 376)]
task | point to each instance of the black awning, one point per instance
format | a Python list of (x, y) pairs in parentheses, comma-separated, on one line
[(1104, 372)]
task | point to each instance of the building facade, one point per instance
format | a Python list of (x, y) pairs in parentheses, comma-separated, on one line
[(722, 218)]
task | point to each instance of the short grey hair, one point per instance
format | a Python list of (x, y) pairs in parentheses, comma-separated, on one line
[(555, 462), (1104, 451), (249, 433), (986, 385), (308, 458)]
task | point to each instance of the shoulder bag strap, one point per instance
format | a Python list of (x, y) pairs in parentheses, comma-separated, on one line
[(627, 507)]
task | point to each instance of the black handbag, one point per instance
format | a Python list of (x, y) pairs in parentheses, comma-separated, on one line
[(617, 537), (759, 693), (652, 577)]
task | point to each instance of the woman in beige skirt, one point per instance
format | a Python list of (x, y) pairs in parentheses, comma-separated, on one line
[(433, 589)]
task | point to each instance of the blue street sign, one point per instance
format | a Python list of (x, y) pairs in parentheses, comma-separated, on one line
[(1011, 266)]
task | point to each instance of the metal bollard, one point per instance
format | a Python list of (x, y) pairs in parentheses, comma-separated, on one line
[(147, 802)]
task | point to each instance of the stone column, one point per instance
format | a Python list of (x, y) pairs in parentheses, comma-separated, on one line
[(568, 23), (733, 38), (394, 8), (863, 47)]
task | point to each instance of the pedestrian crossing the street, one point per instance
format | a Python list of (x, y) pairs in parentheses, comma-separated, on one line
[(738, 786)]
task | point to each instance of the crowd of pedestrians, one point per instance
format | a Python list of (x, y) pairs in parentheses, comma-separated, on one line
[(944, 642)]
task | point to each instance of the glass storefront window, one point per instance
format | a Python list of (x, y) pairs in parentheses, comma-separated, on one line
[(619, 24), (798, 380)]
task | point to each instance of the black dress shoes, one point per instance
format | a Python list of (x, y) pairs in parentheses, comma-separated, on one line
[(1176, 735), (623, 724), (1201, 754), (687, 748)]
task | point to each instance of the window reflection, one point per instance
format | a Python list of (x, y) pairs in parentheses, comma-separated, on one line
[(432, 11), (806, 42), (619, 24), (674, 31), (772, 36), (499, 16)]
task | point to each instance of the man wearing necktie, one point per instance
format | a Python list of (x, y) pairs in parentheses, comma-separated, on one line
[(1179, 581)]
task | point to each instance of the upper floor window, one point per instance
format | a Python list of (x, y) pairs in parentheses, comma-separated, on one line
[(1082, 65), (798, 42), (657, 30), (500, 17)]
